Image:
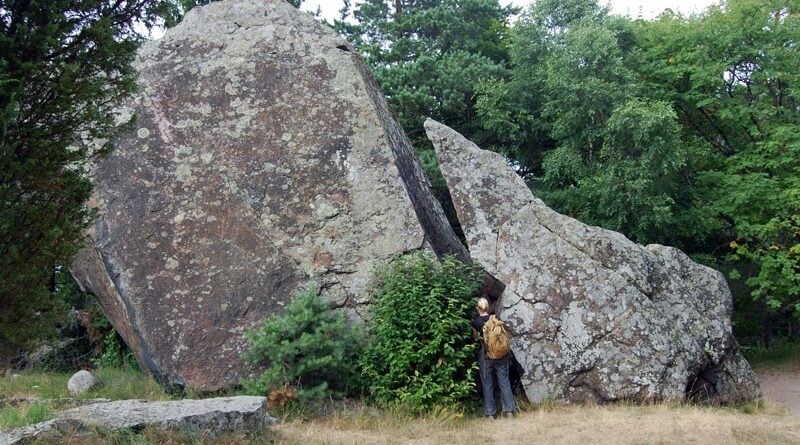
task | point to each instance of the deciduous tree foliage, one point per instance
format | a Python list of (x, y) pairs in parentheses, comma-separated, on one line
[(733, 75), (681, 131), (428, 55), (421, 353), (63, 66)]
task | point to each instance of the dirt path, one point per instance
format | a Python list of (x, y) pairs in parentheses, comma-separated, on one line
[(782, 388)]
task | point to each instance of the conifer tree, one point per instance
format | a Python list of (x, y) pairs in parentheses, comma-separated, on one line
[(64, 65)]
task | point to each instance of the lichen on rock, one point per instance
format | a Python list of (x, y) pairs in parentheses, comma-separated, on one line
[(595, 316), (263, 158)]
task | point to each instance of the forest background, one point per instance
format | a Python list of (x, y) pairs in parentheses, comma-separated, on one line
[(681, 130)]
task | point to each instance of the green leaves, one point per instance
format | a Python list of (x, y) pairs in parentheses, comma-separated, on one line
[(64, 66), (429, 56), (310, 349), (421, 352)]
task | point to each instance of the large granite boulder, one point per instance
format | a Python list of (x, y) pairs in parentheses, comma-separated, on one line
[(594, 316), (262, 157)]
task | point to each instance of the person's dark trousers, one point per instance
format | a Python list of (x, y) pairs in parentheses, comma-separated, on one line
[(489, 370)]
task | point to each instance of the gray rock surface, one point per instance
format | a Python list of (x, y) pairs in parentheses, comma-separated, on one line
[(211, 417), (594, 316), (262, 157), (49, 432), (81, 381)]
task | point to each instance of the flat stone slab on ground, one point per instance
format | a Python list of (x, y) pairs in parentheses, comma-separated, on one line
[(211, 416)]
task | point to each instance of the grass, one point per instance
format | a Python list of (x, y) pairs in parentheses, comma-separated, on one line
[(24, 414), (619, 424), (608, 424), (782, 356), (116, 384), (352, 423), (154, 436), (48, 387)]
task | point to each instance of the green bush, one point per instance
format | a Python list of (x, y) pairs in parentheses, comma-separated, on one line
[(421, 353), (310, 352), (116, 353)]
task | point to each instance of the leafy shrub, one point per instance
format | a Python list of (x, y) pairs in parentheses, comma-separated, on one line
[(310, 352), (115, 353), (421, 353)]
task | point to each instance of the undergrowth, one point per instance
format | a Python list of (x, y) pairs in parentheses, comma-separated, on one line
[(779, 356), (421, 354), (309, 355)]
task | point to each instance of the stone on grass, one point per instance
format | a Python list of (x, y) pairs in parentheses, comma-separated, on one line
[(81, 381)]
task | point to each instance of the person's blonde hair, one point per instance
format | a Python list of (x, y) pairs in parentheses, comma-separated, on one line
[(482, 305)]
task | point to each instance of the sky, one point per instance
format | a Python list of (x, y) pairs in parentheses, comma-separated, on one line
[(632, 8), (649, 8)]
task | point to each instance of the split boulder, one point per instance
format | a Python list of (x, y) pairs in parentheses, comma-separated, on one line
[(594, 316)]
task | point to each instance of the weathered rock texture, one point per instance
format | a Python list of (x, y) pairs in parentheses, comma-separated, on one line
[(594, 316), (262, 157), (211, 417), (81, 381)]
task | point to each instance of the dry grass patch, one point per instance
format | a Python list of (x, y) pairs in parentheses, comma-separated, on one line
[(155, 436), (614, 424)]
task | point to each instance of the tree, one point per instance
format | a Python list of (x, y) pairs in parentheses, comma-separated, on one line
[(64, 65), (310, 352), (429, 55), (512, 107), (577, 127), (678, 131), (732, 75)]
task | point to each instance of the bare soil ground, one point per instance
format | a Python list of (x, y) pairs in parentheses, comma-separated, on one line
[(781, 387)]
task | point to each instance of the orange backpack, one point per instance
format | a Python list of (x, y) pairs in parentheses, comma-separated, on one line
[(495, 338)]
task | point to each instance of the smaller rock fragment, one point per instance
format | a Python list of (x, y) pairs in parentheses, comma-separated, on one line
[(81, 381)]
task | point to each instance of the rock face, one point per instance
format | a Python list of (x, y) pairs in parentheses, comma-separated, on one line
[(594, 316), (211, 417), (262, 157), (81, 382)]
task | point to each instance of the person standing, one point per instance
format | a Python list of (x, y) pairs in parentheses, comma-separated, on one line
[(491, 369)]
